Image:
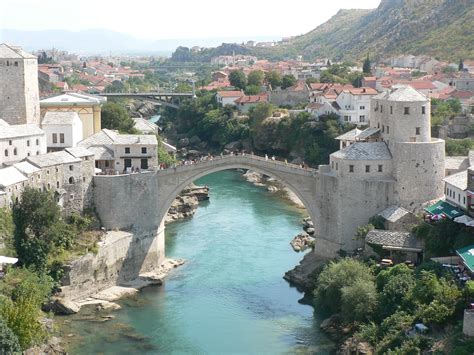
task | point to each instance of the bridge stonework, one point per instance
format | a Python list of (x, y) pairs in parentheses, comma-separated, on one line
[(139, 202)]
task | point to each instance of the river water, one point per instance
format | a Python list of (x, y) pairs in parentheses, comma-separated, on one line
[(229, 297)]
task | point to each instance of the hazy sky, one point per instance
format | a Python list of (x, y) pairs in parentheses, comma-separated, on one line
[(157, 19)]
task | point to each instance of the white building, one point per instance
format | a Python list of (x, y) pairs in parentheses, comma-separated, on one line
[(20, 141), (117, 153), (62, 129), (12, 183), (355, 105), (455, 189), (228, 97)]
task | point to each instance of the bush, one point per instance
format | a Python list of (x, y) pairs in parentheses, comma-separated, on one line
[(334, 278), (359, 300), (8, 340)]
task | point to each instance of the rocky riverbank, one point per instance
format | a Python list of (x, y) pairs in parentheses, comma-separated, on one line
[(186, 203), (273, 186)]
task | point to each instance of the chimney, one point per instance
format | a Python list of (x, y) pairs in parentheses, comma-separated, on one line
[(363, 89)]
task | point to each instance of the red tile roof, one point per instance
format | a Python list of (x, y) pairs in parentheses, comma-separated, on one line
[(233, 93), (252, 99)]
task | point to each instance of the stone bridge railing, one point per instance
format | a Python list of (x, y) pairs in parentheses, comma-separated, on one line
[(244, 160)]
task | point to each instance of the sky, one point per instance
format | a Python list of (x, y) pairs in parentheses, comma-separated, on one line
[(174, 19)]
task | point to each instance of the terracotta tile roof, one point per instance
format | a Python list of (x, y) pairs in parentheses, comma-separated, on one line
[(252, 99), (232, 93)]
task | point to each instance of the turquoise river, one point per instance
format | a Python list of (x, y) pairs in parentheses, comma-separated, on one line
[(229, 297)]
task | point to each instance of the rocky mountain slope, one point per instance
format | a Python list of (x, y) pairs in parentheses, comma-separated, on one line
[(440, 28)]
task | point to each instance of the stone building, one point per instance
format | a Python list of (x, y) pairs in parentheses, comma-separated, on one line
[(12, 183), (20, 141), (88, 107), (19, 93)]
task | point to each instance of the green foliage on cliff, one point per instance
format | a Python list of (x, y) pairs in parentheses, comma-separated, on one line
[(6, 232), (459, 147), (8, 340), (115, 116), (382, 311)]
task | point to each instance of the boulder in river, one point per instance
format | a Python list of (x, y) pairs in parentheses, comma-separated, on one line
[(302, 242)]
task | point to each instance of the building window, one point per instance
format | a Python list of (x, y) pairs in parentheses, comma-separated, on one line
[(383, 128), (47, 172), (351, 168), (362, 118), (127, 150), (57, 184), (391, 110), (71, 167), (6, 152), (423, 110), (388, 129), (55, 138), (143, 150), (362, 108), (464, 200), (37, 142), (347, 118), (380, 168), (337, 166), (71, 180), (381, 108), (143, 163), (406, 110), (61, 137), (367, 168), (332, 164), (378, 125), (28, 143), (16, 64), (14, 151), (10, 142), (417, 131)]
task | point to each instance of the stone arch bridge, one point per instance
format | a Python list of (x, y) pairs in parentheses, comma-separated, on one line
[(139, 202)]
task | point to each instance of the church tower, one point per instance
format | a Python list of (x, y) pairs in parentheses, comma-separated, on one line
[(19, 93)]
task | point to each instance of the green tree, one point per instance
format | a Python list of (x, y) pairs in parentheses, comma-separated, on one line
[(255, 78), (6, 230), (8, 340), (115, 116), (252, 90), (366, 67), (22, 312), (273, 78), (336, 276), (237, 79), (287, 81), (359, 300)]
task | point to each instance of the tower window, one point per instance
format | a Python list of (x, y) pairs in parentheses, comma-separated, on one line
[(406, 110), (351, 168), (391, 110), (71, 180), (380, 168), (381, 108), (423, 110), (367, 168), (417, 131), (388, 129)]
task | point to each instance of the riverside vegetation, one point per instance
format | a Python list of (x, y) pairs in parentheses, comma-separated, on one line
[(35, 231)]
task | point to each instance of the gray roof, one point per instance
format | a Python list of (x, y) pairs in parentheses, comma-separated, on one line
[(402, 93), (102, 152), (394, 239), (51, 159), (364, 151), (13, 52), (10, 176), (108, 137), (144, 125), (102, 137), (60, 118), (349, 136), (79, 152), (394, 213), (368, 132), (19, 130), (458, 180), (456, 163), (26, 168)]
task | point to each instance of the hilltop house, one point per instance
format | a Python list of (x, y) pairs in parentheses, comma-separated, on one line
[(228, 97), (244, 103)]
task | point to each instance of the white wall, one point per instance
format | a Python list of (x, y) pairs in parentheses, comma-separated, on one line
[(72, 134), (25, 146), (455, 196)]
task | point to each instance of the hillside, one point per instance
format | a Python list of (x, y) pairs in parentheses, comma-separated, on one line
[(440, 28)]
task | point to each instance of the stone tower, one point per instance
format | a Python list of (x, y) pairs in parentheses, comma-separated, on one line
[(19, 96), (403, 117)]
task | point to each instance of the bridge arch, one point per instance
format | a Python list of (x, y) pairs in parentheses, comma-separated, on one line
[(206, 168)]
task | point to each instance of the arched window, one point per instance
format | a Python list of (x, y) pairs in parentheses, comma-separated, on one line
[(6, 152), (71, 180), (14, 151)]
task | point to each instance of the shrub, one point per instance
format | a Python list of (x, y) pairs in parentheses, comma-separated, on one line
[(8, 340)]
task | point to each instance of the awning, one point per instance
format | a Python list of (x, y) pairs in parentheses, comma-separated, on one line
[(444, 208), (468, 221), (467, 256), (7, 260)]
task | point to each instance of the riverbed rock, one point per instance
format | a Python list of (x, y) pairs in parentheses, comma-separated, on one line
[(62, 306), (310, 231), (53, 346), (353, 346), (186, 203), (302, 242), (115, 292), (272, 188), (253, 177), (301, 276)]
